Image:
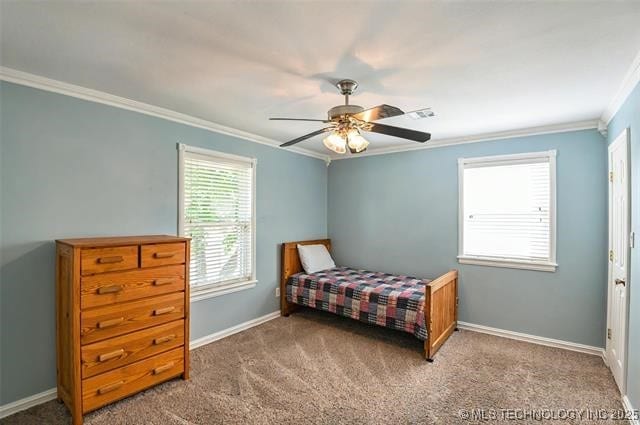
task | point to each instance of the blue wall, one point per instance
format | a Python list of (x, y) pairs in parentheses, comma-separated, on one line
[(629, 117), (72, 168), (75, 168), (399, 213)]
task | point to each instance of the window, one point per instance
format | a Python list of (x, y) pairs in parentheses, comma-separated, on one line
[(217, 211), (507, 212)]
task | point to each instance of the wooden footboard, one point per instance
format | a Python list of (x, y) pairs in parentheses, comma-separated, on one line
[(440, 311)]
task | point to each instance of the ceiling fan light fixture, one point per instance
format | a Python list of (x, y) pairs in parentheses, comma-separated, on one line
[(346, 122), (357, 143), (335, 143)]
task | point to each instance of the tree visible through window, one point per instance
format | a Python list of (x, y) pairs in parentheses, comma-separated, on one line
[(218, 214)]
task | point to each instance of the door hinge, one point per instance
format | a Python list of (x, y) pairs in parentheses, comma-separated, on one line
[(610, 176), (632, 239), (611, 255), (608, 333)]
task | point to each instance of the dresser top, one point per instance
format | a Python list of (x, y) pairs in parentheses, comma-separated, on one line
[(120, 240)]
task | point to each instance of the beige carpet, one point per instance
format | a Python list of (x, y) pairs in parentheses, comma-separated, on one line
[(318, 368)]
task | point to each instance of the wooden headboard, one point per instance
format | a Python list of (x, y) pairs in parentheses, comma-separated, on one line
[(291, 265)]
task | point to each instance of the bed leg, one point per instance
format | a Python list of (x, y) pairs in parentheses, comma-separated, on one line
[(427, 352), (288, 308), (456, 329)]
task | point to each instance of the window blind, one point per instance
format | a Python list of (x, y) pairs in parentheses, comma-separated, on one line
[(218, 216), (507, 209)]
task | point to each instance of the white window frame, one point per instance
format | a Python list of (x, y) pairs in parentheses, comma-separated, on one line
[(215, 290), (547, 266)]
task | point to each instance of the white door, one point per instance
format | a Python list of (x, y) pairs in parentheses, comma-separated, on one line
[(618, 288)]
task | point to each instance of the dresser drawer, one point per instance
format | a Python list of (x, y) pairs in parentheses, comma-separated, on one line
[(109, 288), (117, 319), (162, 254), (119, 383), (122, 350), (101, 260)]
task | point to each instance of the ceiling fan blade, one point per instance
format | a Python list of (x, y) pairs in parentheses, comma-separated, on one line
[(305, 137), (297, 119), (403, 133), (378, 112)]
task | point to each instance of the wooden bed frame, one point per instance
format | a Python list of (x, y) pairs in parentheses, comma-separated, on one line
[(441, 297)]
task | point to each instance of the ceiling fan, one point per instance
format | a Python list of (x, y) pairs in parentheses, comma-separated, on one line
[(347, 122)]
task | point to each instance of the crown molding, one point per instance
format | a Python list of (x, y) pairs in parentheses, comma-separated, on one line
[(486, 137), (629, 82), (79, 92), (603, 128), (30, 80)]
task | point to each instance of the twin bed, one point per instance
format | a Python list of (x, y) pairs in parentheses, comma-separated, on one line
[(427, 309)]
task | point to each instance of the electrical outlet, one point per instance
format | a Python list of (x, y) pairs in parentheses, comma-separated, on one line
[(278, 292)]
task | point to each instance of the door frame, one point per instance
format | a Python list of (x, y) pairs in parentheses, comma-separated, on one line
[(623, 137)]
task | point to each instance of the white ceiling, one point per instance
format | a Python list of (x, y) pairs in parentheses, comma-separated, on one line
[(482, 66)]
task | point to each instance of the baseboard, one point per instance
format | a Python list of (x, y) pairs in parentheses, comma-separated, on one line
[(51, 394), (27, 402), (628, 407), (232, 330), (534, 339)]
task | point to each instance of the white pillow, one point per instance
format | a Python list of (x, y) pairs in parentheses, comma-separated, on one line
[(315, 258)]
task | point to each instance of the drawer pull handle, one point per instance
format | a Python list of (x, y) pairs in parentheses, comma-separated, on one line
[(160, 282), (164, 310), (111, 260), (163, 254), (109, 289), (164, 368), (110, 322), (110, 387), (163, 339), (111, 355)]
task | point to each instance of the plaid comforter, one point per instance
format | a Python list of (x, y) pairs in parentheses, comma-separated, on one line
[(395, 302)]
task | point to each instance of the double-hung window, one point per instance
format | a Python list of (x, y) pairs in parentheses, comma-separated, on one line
[(217, 211), (507, 212)]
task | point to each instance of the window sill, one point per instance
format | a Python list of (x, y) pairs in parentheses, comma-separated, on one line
[(509, 264), (203, 293)]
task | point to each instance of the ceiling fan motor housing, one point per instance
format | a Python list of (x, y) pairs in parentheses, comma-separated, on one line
[(341, 110)]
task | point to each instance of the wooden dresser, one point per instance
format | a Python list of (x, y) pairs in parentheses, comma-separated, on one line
[(122, 317)]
